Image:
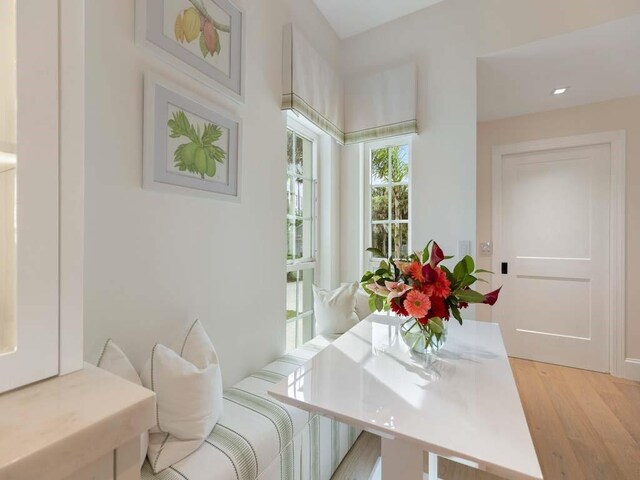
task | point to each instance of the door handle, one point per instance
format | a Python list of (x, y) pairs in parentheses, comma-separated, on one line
[(505, 268)]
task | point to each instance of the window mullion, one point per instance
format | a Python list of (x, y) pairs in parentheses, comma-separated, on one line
[(390, 214)]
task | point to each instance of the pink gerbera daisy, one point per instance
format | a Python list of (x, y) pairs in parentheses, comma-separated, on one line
[(417, 304)]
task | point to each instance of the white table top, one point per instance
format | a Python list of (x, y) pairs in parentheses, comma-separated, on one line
[(461, 403)]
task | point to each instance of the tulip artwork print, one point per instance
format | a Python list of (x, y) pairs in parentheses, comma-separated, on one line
[(425, 293)]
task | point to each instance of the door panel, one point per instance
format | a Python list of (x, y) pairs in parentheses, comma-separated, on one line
[(555, 237)]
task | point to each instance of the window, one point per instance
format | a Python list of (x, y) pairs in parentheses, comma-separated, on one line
[(301, 231), (387, 221)]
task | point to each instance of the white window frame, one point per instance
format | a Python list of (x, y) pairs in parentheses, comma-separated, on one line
[(368, 261), (302, 264)]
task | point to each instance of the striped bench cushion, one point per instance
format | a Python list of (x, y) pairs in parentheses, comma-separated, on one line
[(261, 438)]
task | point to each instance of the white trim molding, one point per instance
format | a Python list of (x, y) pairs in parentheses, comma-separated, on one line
[(632, 369), (619, 365)]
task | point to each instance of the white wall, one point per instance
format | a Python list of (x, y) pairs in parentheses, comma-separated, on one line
[(445, 41), (152, 260), (7, 259), (7, 173), (7, 74)]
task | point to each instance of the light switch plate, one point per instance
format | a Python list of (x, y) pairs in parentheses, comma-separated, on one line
[(464, 248), (486, 249)]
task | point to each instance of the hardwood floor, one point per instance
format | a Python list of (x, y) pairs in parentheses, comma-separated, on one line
[(584, 425)]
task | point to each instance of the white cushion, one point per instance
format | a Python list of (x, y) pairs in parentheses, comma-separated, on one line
[(362, 303), (334, 310), (113, 360), (188, 387)]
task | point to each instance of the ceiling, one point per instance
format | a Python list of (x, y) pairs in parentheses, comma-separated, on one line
[(598, 63), (350, 17)]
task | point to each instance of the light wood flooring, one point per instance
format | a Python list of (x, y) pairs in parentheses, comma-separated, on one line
[(584, 425)]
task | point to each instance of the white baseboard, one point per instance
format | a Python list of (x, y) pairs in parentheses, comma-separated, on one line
[(632, 369)]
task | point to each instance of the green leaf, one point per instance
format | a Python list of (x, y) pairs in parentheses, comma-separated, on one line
[(375, 252), (366, 277), (470, 296), (460, 270), (181, 127), (480, 270), (379, 303), (436, 325), (211, 133), (203, 46), (372, 303), (215, 153), (455, 311), (467, 280), (469, 263), (425, 252)]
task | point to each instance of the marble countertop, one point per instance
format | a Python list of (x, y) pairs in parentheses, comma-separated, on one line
[(55, 427)]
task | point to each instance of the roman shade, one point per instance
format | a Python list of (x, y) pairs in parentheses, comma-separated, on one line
[(382, 104), (310, 86), (365, 107)]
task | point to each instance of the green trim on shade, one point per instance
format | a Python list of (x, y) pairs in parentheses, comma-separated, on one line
[(384, 131), (293, 102)]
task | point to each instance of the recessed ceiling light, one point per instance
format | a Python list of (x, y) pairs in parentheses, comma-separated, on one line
[(560, 91)]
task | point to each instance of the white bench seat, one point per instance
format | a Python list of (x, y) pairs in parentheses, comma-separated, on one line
[(261, 438)]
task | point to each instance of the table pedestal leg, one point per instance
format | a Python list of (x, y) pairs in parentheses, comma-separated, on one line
[(404, 461)]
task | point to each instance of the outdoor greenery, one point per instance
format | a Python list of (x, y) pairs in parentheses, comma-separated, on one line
[(390, 165)]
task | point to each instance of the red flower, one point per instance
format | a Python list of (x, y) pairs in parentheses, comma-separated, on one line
[(427, 289), (397, 307), (429, 273), (437, 255), (422, 321), (463, 305), (442, 286), (492, 297), (439, 308), (415, 271)]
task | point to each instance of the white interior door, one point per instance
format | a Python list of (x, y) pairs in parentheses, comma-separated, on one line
[(553, 244)]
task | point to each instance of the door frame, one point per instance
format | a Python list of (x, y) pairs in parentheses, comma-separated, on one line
[(617, 227)]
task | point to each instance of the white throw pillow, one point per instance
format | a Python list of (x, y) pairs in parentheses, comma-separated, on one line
[(113, 360), (188, 387), (334, 310), (362, 303)]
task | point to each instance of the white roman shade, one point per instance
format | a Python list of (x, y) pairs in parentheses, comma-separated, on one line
[(365, 107), (381, 105), (310, 86)]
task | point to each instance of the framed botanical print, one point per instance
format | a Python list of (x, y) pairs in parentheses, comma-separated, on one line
[(190, 146), (204, 38)]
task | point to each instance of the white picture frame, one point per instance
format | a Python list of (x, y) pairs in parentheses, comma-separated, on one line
[(162, 171), (223, 71)]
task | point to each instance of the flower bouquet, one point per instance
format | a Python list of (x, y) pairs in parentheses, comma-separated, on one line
[(426, 292)]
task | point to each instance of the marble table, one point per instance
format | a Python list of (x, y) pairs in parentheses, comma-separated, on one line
[(461, 403)]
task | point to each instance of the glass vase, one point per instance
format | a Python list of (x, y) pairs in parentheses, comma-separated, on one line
[(423, 339)]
